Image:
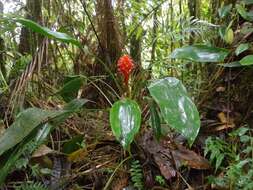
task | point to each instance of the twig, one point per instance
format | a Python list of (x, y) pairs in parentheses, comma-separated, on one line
[(114, 172), (188, 185), (96, 167)]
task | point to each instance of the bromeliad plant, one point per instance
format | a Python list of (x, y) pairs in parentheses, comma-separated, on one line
[(176, 107)]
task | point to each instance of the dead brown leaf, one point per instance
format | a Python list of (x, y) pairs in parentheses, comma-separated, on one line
[(170, 156), (226, 122), (43, 150), (190, 158)]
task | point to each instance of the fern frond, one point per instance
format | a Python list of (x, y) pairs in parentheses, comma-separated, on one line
[(31, 186), (137, 175)]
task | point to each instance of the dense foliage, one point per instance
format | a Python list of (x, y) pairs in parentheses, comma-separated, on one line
[(126, 94)]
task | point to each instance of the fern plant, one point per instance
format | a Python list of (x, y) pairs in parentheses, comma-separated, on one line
[(31, 186), (238, 168), (160, 180), (218, 150), (137, 175)]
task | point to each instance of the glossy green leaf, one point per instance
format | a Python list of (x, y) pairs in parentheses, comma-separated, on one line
[(247, 60), (30, 119), (244, 14), (223, 11), (35, 138), (176, 107), (71, 87), (241, 48), (200, 53), (155, 120), (10, 158), (42, 134), (47, 32), (125, 120), (23, 125)]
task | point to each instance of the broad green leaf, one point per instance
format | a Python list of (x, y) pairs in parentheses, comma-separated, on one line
[(155, 120), (241, 48), (176, 107), (71, 87), (10, 157), (29, 142), (30, 119), (223, 11), (47, 32), (200, 53), (125, 120), (42, 133), (23, 126), (244, 14), (74, 105), (247, 60)]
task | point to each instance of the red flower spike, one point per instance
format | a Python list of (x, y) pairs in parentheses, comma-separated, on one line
[(125, 67)]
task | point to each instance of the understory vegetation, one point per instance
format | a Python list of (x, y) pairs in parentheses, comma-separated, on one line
[(126, 94)]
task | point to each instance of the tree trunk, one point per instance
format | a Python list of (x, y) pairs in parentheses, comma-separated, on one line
[(121, 10), (135, 48), (193, 6), (109, 50), (154, 37), (2, 61), (30, 40), (108, 31)]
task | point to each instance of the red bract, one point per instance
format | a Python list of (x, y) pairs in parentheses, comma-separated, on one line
[(125, 67)]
